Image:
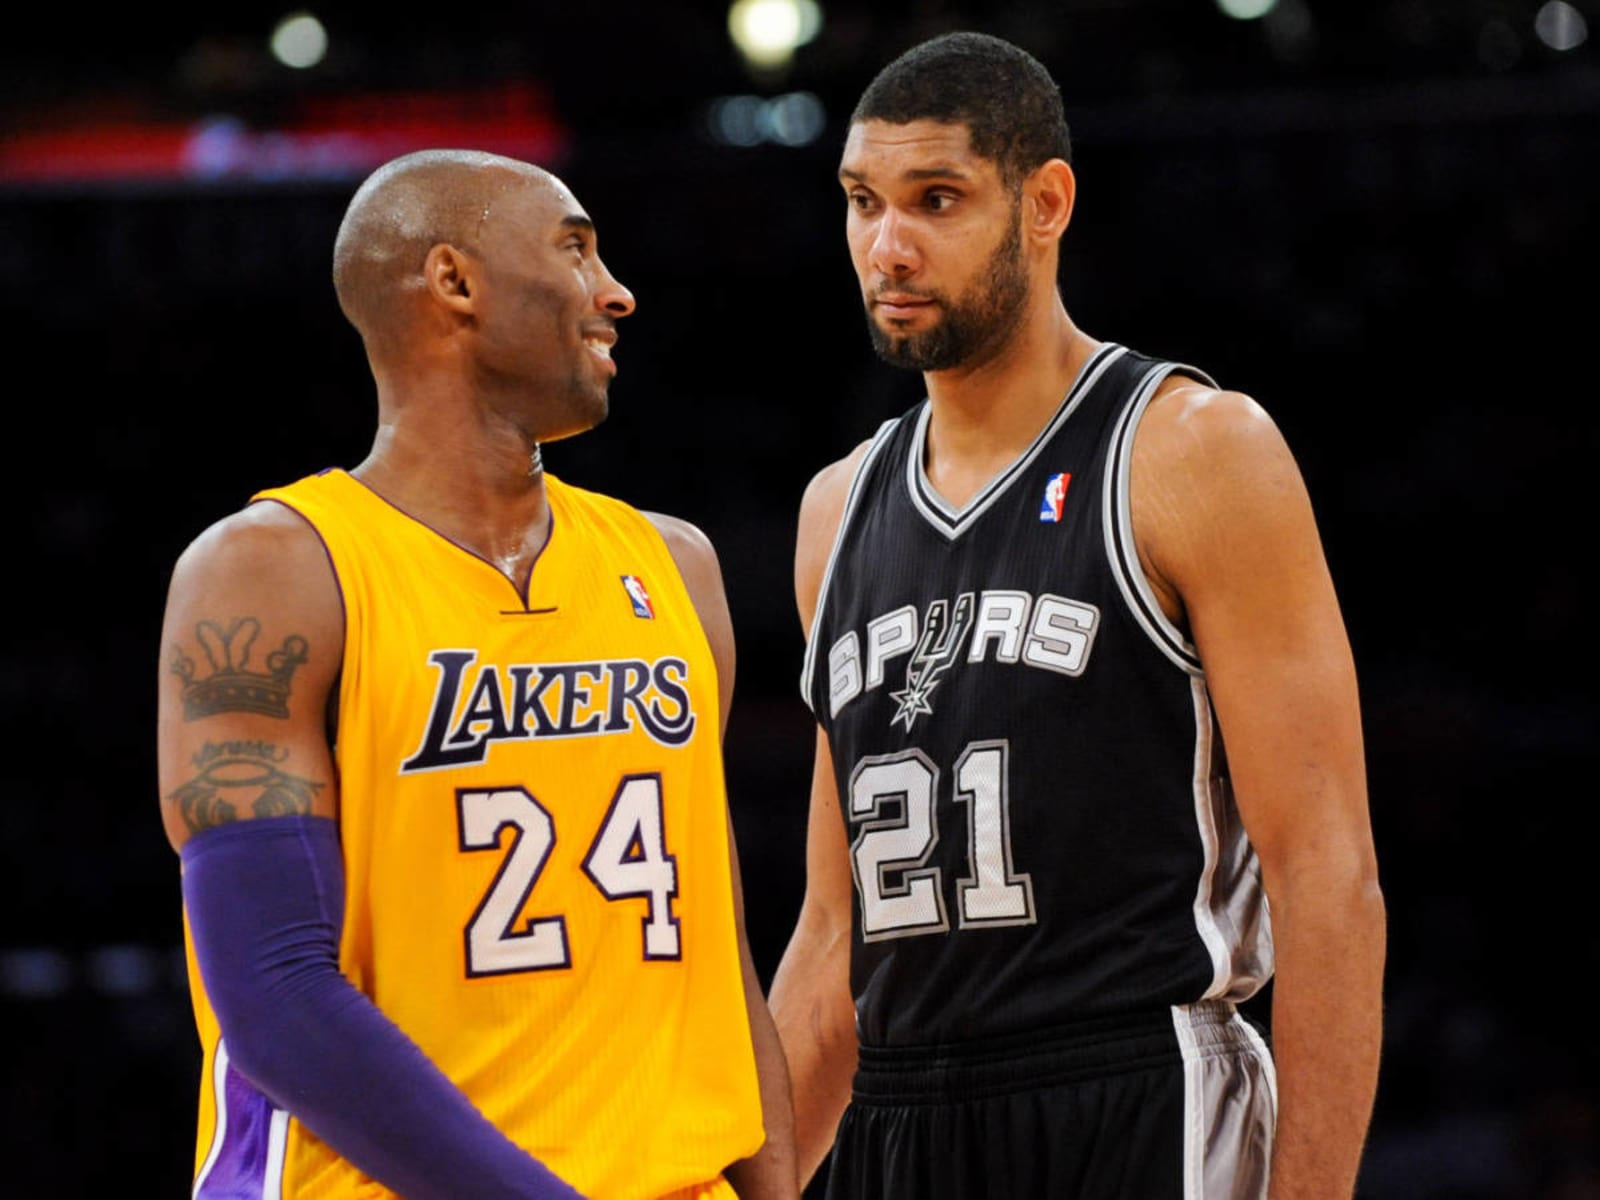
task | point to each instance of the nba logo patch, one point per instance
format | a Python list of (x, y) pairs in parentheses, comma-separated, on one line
[(1055, 496), (639, 598)]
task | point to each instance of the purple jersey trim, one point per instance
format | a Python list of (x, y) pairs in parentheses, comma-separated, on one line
[(242, 1150)]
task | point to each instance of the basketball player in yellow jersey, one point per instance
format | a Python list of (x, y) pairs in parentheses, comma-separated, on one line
[(440, 750)]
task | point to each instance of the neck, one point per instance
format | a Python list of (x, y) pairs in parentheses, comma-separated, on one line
[(480, 484), (984, 416)]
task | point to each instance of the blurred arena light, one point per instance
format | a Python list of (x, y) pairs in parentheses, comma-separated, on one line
[(1246, 10), (122, 970), (299, 41), (35, 973), (793, 119), (1560, 26), (768, 32), (326, 136)]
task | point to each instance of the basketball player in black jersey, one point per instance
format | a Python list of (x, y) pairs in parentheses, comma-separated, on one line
[(1086, 704)]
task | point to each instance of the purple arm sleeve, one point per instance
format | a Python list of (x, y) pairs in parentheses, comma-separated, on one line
[(265, 901)]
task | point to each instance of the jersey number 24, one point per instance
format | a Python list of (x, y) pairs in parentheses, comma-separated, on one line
[(628, 859)]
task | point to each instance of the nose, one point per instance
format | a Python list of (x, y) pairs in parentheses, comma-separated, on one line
[(611, 297), (891, 251)]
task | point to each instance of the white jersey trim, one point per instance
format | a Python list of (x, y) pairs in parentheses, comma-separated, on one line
[(1121, 549), (219, 1126), (1205, 921), (953, 522), (277, 1153), (277, 1134), (852, 498)]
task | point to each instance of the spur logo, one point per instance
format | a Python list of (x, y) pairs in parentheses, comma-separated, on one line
[(1051, 633)]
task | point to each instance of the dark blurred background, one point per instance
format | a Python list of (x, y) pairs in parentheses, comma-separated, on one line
[(1378, 218)]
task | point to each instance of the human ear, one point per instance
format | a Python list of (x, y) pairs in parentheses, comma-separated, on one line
[(449, 277), (1050, 192)]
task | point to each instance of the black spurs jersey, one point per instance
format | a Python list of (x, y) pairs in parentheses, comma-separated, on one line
[(1040, 822)]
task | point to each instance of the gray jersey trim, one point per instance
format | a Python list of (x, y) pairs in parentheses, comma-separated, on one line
[(952, 522), (1230, 910), (1121, 550), (1230, 1091), (1205, 921), (852, 498)]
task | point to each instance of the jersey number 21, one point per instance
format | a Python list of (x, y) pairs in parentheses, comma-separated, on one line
[(893, 795)]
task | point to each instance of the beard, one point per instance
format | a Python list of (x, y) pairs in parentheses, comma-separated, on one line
[(974, 327)]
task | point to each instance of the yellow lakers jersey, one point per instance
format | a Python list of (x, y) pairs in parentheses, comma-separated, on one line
[(534, 827)]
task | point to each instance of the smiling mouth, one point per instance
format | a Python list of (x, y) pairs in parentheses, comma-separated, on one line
[(599, 345)]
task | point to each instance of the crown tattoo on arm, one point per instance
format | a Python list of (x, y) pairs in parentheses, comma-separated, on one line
[(232, 686)]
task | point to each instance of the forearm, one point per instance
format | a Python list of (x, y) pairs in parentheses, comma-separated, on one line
[(1327, 1025), (771, 1173), (265, 901), (816, 1026)]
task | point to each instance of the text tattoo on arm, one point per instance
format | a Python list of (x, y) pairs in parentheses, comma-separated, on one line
[(241, 775)]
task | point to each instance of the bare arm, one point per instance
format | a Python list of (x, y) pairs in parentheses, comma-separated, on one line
[(253, 640), (811, 1000), (251, 645), (770, 1172), (1229, 541)]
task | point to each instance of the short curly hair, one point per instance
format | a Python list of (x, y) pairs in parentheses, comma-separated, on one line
[(1001, 93)]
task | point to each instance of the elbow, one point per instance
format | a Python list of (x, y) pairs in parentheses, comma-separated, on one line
[(1342, 889), (266, 1038)]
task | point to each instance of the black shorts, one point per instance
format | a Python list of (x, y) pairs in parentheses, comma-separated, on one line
[(1178, 1104)]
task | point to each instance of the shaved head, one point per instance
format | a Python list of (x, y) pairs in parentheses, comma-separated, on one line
[(404, 209)]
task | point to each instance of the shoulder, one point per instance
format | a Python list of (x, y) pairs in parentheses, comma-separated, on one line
[(1213, 481), (264, 561), (692, 552), (683, 538), (821, 511), (1192, 426), (822, 503), (696, 560), (686, 542), (264, 535)]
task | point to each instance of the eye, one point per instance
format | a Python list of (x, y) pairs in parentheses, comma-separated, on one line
[(860, 201), (939, 201)]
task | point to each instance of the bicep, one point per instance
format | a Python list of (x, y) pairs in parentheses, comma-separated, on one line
[(1242, 550), (828, 879), (251, 643)]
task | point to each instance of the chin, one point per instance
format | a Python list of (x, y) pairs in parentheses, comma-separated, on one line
[(584, 415)]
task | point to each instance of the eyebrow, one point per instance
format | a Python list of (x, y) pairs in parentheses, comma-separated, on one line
[(577, 221), (915, 174)]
